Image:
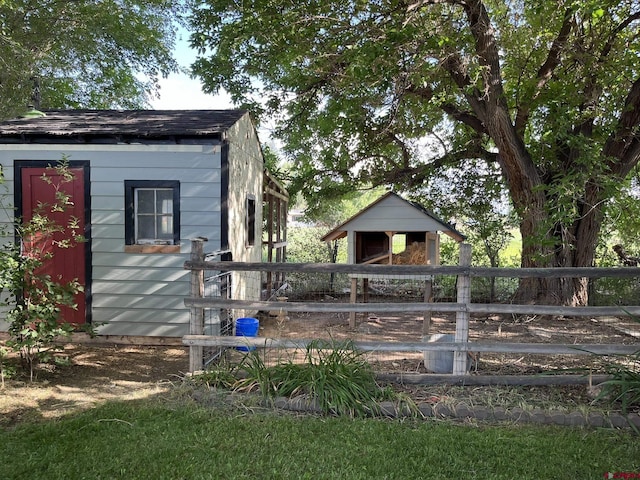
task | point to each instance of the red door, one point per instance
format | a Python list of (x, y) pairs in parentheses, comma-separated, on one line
[(67, 264)]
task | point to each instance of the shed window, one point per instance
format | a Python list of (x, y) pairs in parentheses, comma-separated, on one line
[(152, 212), (251, 220)]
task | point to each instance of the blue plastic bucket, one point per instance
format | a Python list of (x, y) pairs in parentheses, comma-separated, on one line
[(247, 327)]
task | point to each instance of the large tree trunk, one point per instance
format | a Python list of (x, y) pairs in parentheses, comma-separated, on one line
[(574, 246), (571, 241)]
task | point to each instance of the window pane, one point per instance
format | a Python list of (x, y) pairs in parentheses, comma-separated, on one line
[(164, 201), (165, 227), (251, 221), (145, 201), (146, 228)]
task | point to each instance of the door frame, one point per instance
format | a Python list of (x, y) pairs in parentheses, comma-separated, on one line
[(18, 165)]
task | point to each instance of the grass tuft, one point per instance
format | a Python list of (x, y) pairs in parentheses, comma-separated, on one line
[(624, 386), (335, 375)]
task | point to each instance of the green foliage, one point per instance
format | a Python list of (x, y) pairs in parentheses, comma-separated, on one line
[(84, 54), (219, 375), (332, 211), (304, 245), (474, 196), (334, 374), (624, 386), (33, 298), (538, 101), (622, 220), (6, 370), (304, 242)]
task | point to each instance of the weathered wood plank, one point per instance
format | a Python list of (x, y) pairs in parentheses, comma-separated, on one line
[(572, 272), (470, 380), (196, 315), (320, 307), (520, 348), (462, 316), (414, 307)]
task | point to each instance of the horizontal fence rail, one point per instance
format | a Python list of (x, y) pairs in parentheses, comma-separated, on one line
[(473, 347), (373, 270), (414, 307)]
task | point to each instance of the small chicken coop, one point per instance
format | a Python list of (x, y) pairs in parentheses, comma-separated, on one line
[(370, 238)]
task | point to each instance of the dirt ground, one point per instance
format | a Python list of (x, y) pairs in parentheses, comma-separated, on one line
[(95, 374), (483, 328), (98, 373)]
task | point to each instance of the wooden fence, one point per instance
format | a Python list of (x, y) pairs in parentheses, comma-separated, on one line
[(462, 307)]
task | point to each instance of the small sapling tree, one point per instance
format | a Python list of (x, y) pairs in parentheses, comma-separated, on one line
[(33, 295)]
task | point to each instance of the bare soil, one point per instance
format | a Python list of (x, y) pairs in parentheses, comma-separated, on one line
[(94, 374), (484, 328)]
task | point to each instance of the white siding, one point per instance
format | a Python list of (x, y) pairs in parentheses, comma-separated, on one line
[(393, 214), (153, 302)]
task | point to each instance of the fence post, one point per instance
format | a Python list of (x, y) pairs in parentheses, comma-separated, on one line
[(428, 298), (196, 314), (353, 298), (462, 318)]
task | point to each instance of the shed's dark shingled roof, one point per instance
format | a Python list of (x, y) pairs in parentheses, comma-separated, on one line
[(139, 123)]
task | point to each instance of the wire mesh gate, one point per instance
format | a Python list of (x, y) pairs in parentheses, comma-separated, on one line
[(217, 321)]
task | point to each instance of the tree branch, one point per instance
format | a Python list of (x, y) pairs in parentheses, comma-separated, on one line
[(545, 72), (467, 118), (622, 148), (455, 67), (518, 168), (414, 176)]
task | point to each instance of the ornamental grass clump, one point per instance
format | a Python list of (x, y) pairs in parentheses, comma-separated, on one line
[(624, 386), (221, 375), (336, 376)]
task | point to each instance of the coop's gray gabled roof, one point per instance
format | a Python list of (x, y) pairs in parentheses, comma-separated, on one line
[(76, 125), (391, 222)]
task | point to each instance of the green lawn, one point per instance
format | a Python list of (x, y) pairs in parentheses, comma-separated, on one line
[(149, 440)]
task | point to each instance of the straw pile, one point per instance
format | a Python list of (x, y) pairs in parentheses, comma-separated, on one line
[(415, 254)]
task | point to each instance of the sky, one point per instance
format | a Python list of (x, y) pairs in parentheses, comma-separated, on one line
[(179, 92)]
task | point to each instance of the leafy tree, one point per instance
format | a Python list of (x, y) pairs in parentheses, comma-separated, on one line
[(547, 92), (473, 197), (305, 245), (84, 53), (622, 220), (333, 211)]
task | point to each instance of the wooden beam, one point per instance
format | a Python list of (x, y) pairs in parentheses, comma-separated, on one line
[(196, 314), (470, 380), (276, 244), (416, 307), (519, 348), (353, 297), (462, 317), (568, 272), (275, 193)]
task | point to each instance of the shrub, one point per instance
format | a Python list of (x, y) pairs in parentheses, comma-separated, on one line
[(34, 298)]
